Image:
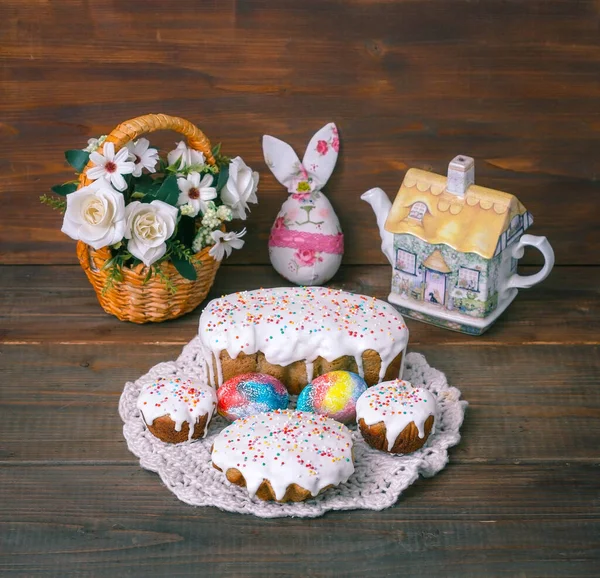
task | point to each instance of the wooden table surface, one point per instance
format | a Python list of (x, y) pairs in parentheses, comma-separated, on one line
[(514, 84)]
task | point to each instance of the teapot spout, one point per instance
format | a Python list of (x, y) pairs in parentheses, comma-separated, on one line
[(381, 205)]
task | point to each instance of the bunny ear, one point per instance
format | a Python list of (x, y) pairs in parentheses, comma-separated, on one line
[(282, 160), (322, 153)]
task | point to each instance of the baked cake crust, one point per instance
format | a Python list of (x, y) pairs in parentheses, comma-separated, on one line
[(407, 441), (164, 429), (176, 408), (265, 492), (294, 377), (284, 455), (291, 332), (396, 417)]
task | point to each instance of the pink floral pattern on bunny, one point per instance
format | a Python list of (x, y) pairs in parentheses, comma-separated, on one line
[(307, 257), (322, 147), (306, 241)]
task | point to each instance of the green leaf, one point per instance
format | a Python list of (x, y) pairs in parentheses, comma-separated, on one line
[(186, 230), (77, 159), (167, 192), (144, 183), (216, 150), (223, 177), (56, 204), (148, 276), (184, 268), (64, 189)]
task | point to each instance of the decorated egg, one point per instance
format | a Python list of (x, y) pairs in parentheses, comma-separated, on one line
[(333, 394), (250, 393), (306, 242)]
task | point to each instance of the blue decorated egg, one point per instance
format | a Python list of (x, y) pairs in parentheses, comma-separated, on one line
[(250, 393)]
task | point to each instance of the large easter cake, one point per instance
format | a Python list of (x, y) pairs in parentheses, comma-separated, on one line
[(298, 333)]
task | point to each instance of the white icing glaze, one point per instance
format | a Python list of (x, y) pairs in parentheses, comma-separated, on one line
[(286, 447), (396, 403), (310, 370), (291, 324), (183, 400)]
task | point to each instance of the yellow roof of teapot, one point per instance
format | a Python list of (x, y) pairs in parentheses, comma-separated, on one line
[(465, 216)]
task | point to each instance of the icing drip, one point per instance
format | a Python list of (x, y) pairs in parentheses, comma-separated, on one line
[(361, 369), (396, 403), (183, 400), (219, 368), (300, 324), (310, 370), (286, 447)]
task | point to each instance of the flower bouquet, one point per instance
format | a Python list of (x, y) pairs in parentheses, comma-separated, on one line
[(151, 230)]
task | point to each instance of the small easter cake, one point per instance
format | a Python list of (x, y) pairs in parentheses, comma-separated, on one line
[(250, 393), (396, 417), (298, 333), (284, 455), (333, 394), (176, 409)]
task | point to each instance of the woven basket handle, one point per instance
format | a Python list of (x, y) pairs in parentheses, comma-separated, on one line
[(131, 130)]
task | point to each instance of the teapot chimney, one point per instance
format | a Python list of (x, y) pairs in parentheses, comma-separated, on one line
[(461, 175)]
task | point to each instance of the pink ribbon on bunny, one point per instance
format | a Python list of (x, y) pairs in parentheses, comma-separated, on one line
[(306, 242), (333, 244)]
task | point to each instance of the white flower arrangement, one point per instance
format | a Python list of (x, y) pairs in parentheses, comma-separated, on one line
[(148, 210)]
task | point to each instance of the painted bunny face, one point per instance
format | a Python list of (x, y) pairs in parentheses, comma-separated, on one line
[(306, 242)]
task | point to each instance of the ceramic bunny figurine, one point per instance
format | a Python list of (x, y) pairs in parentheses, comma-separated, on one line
[(306, 242)]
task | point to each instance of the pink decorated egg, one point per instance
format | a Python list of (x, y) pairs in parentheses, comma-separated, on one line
[(250, 393), (333, 394)]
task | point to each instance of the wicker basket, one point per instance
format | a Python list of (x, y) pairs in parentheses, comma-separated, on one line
[(133, 299)]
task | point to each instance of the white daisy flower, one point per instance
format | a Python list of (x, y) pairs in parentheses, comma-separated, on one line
[(142, 156), (187, 157), (111, 166), (196, 192), (225, 243)]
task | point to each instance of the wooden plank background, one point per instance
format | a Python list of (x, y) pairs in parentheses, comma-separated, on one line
[(411, 83), (513, 83)]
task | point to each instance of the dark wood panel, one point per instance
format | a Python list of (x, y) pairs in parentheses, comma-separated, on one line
[(410, 84), (470, 521), (57, 305), (527, 403)]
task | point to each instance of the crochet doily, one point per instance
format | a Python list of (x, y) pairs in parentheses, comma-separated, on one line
[(377, 482)]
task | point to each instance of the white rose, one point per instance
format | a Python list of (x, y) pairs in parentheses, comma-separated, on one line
[(149, 226), (95, 215), (240, 188), (186, 157)]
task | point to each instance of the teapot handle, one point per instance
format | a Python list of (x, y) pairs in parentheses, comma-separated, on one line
[(525, 281)]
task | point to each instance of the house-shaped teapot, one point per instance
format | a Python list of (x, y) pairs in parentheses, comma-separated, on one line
[(454, 246)]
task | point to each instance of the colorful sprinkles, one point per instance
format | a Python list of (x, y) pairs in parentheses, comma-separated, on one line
[(285, 447), (396, 403), (290, 324), (182, 399)]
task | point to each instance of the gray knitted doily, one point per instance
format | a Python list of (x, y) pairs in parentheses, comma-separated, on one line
[(377, 482)]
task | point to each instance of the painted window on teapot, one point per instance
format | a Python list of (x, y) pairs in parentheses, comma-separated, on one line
[(406, 261), (417, 211), (468, 279), (515, 227)]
